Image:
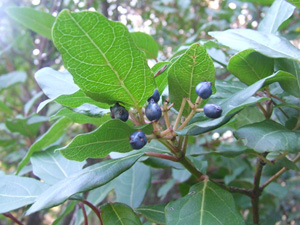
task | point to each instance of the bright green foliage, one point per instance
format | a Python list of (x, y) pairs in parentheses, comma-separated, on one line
[(250, 66), (186, 72), (119, 214), (112, 136), (146, 43), (86, 179), (103, 58), (35, 20), (154, 213), (295, 2), (269, 136), (210, 205)]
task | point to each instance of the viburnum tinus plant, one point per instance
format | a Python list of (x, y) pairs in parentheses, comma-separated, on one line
[(155, 117)]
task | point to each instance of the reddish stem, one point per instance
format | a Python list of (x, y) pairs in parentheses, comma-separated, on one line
[(95, 209), (10, 216), (84, 213), (162, 156)]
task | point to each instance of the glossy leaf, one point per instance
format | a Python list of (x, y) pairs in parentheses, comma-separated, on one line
[(89, 178), (269, 136), (12, 78), (118, 214), (186, 72), (206, 203), (112, 136), (267, 44), (35, 20), (146, 43), (154, 213), (52, 135), (132, 185), (279, 12), (250, 66), (103, 58), (52, 167), (16, 192)]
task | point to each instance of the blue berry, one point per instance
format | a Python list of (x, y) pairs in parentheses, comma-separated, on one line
[(204, 90), (155, 96), (212, 110), (119, 112), (138, 140), (153, 111)]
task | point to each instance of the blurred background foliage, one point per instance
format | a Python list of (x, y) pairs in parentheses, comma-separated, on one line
[(174, 24)]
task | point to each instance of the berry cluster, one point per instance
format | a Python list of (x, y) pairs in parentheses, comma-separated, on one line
[(154, 112)]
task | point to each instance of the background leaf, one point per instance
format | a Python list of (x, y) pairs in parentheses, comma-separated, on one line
[(35, 20), (154, 213), (295, 2), (186, 72), (12, 78), (84, 180), (206, 204), (269, 136), (146, 43), (105, 62)]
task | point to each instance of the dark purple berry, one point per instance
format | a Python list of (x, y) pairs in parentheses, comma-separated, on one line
[(155, 96), (212, 110), (138, 140), (119, 112), (153, 111), (204, 90)]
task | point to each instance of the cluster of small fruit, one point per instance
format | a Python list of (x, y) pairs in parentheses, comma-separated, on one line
[(154, 112)]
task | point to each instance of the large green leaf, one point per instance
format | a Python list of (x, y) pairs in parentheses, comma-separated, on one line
[(269, 136), (267, 44), (279, 12), (52, 167), (103, 58), (295, 2), (131, 186), (206, 204), (89, 178), (52, 135), (154, 213), (16, 192), (250, 66), (35, 20), (112, 136), (12, 78), (186, 72), (146, 43), (118, 214)]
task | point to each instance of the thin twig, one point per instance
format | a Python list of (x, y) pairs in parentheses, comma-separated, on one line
[(86, 222), (178, 118), (10, 216), (162, 156), (95, 209)]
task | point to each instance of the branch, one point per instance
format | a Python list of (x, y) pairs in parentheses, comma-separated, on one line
[(95, 209), (162, 156), (84, 213), (10, 216)]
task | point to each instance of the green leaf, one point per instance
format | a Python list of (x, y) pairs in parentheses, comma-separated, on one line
[(5, 109), (89, 178), (37, 21), (118, 214), (132, 185), (267, 44), (54, 132), (295, 2), (112, 136), (225, 89), (186, 72), (52, 167), (160, 70), (250, 66), (269, 136), (206, 203), (279, 12), (146, 43), (12, 78), (103, 58), (154, 213), (16, 192)]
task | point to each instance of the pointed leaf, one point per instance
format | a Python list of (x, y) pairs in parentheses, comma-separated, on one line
[(131, 186), (269, 45), (118, 214), (7, 80), (279, 12), (206, 204), (54, 132), (89, 178), (16, 192), (160, 71), (112, 136), (186, 72), (146, 43), (269, 136), (103, 58), (37, 21), (154, 213), (250, 66), (52, 167)]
